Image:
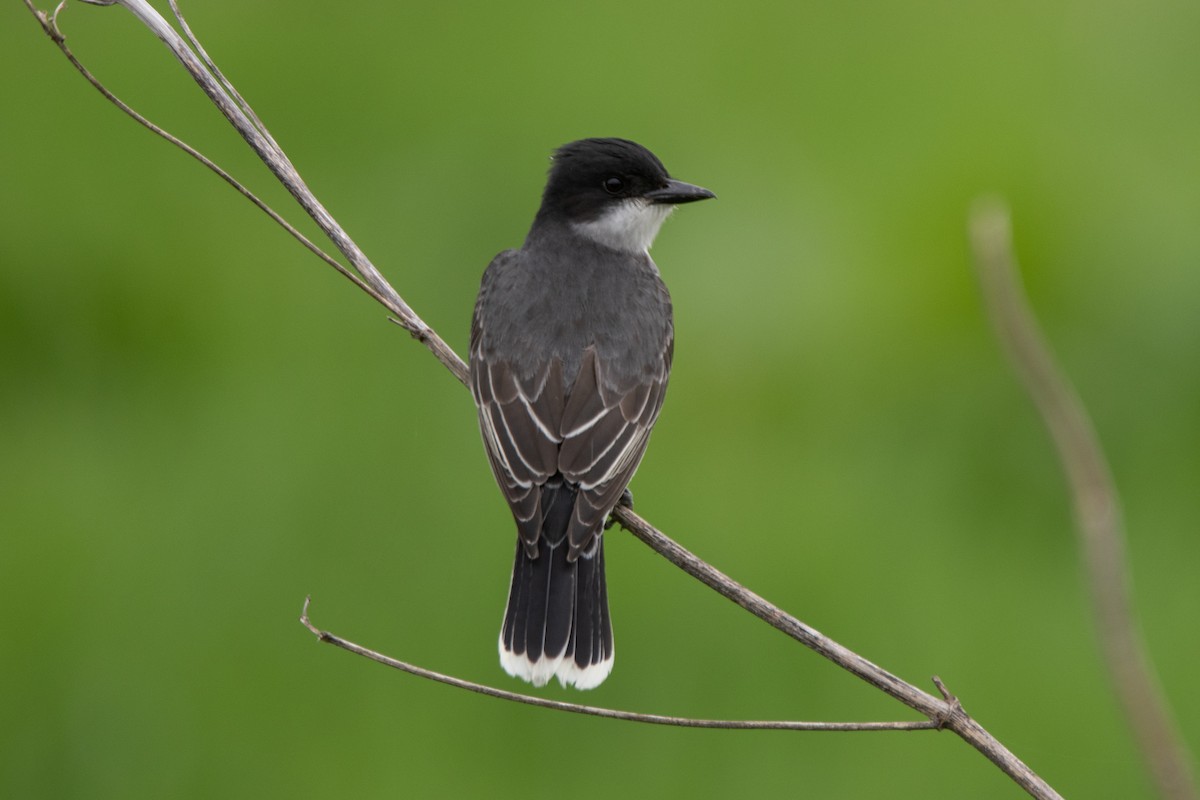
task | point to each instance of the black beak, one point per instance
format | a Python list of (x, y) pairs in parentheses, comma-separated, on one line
[(676, 193)]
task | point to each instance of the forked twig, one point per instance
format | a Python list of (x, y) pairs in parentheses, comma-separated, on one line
[(49, 24), (233, 107), (941, 712), (575, 708)]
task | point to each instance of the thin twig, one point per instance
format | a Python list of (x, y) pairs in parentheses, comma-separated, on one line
[(575, 708), (50, 26), (272, 155), (216, 72), (942, 712), (1097, 507), (947, 713)]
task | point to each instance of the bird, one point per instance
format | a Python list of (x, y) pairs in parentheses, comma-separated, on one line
[(571, 344)]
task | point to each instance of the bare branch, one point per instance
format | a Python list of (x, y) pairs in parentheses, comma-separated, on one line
[(948, 713), (50, 26), (944, 712), (212, 68), (1097, 508), (575, 708), (231, 106)]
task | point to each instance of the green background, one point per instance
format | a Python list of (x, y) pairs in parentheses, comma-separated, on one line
[(200, 424)]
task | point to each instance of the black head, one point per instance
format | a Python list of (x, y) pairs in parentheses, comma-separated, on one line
[(590, 176)]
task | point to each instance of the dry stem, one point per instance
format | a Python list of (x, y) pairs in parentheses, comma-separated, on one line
[(1097, 509), (944, 711)]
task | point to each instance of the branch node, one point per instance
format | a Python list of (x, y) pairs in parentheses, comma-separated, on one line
[(415, 331), (56, 34), (953, 708), (320, 634)]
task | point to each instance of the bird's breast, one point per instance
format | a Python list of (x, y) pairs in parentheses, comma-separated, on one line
[(557, 305)]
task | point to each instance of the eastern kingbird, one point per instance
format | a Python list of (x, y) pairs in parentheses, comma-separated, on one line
[(571, 347)]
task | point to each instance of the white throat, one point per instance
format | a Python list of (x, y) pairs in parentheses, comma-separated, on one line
[(630, 225)]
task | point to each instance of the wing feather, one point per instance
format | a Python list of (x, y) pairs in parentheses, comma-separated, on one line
[(602, 456)]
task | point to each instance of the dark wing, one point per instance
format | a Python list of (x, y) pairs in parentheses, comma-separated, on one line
[(605, 428), (519, 424), (595, 436)]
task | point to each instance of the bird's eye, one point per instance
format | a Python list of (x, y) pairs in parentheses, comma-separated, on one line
[(614, 185)]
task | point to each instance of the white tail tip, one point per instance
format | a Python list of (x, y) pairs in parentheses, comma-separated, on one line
[(565, 669)]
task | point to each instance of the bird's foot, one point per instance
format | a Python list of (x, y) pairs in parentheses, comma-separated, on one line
[(626, 501)]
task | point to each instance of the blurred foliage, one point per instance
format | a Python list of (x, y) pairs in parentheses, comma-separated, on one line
[(200, 424)]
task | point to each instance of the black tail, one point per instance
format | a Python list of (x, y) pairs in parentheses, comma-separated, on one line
[(556, 622)]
